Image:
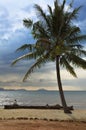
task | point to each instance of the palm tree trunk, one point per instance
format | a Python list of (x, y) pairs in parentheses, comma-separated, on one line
[(66, 110)]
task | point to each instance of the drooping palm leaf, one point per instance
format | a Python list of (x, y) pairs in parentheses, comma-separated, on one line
[(28, 23), (26, 46), (77, 39), (39, 30), (26, 56), (40, 61), (67, 65), (77, 61)]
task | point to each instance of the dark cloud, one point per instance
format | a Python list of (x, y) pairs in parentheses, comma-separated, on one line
[(11, 38)]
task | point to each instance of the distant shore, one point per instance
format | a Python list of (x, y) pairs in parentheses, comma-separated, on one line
[(33, 119)]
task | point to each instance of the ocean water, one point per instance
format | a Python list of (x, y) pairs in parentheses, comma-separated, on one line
[(42, 97)]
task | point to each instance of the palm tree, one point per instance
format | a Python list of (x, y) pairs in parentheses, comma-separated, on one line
[(57, 39)]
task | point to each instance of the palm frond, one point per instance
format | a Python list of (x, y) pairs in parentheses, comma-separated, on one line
[(43, 43), (39, 31), (40, 61), (56, 4), (71, 3), (63, 5), (83, 52), (77, 39), (72, 32), (26, 46), (76, 60), (43, 40), (50, 10), (41, 14), (26, 56), (78, 51), (73, 15), (70, 6), (65, 63), (78, 46), (28, 23)]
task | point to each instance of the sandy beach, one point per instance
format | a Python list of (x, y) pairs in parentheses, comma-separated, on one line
[(23, 119), (40, 125), (77, 115)]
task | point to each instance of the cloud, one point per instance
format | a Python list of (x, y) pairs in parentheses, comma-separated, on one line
[(82, 3), (13, 34), (82, 25), (4, 23)]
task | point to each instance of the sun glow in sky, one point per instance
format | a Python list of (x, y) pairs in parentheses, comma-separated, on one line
[(13, 34)]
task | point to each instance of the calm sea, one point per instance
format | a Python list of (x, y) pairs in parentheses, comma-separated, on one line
[(75, 98)]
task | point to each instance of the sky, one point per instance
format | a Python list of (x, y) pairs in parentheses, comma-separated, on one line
[(13, 34)]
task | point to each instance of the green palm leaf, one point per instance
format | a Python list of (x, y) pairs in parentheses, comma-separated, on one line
[(50, 10), (26, 46), (63, 5), (42, 60), (41, 14), (77, 61), (66, 64), (73, 15), (26, 56), (77, 39), (28, 23)]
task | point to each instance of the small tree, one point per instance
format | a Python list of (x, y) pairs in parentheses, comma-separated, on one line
[(57, 40)]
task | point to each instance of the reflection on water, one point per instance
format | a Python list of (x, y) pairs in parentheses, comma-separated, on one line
[(75, 98)]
